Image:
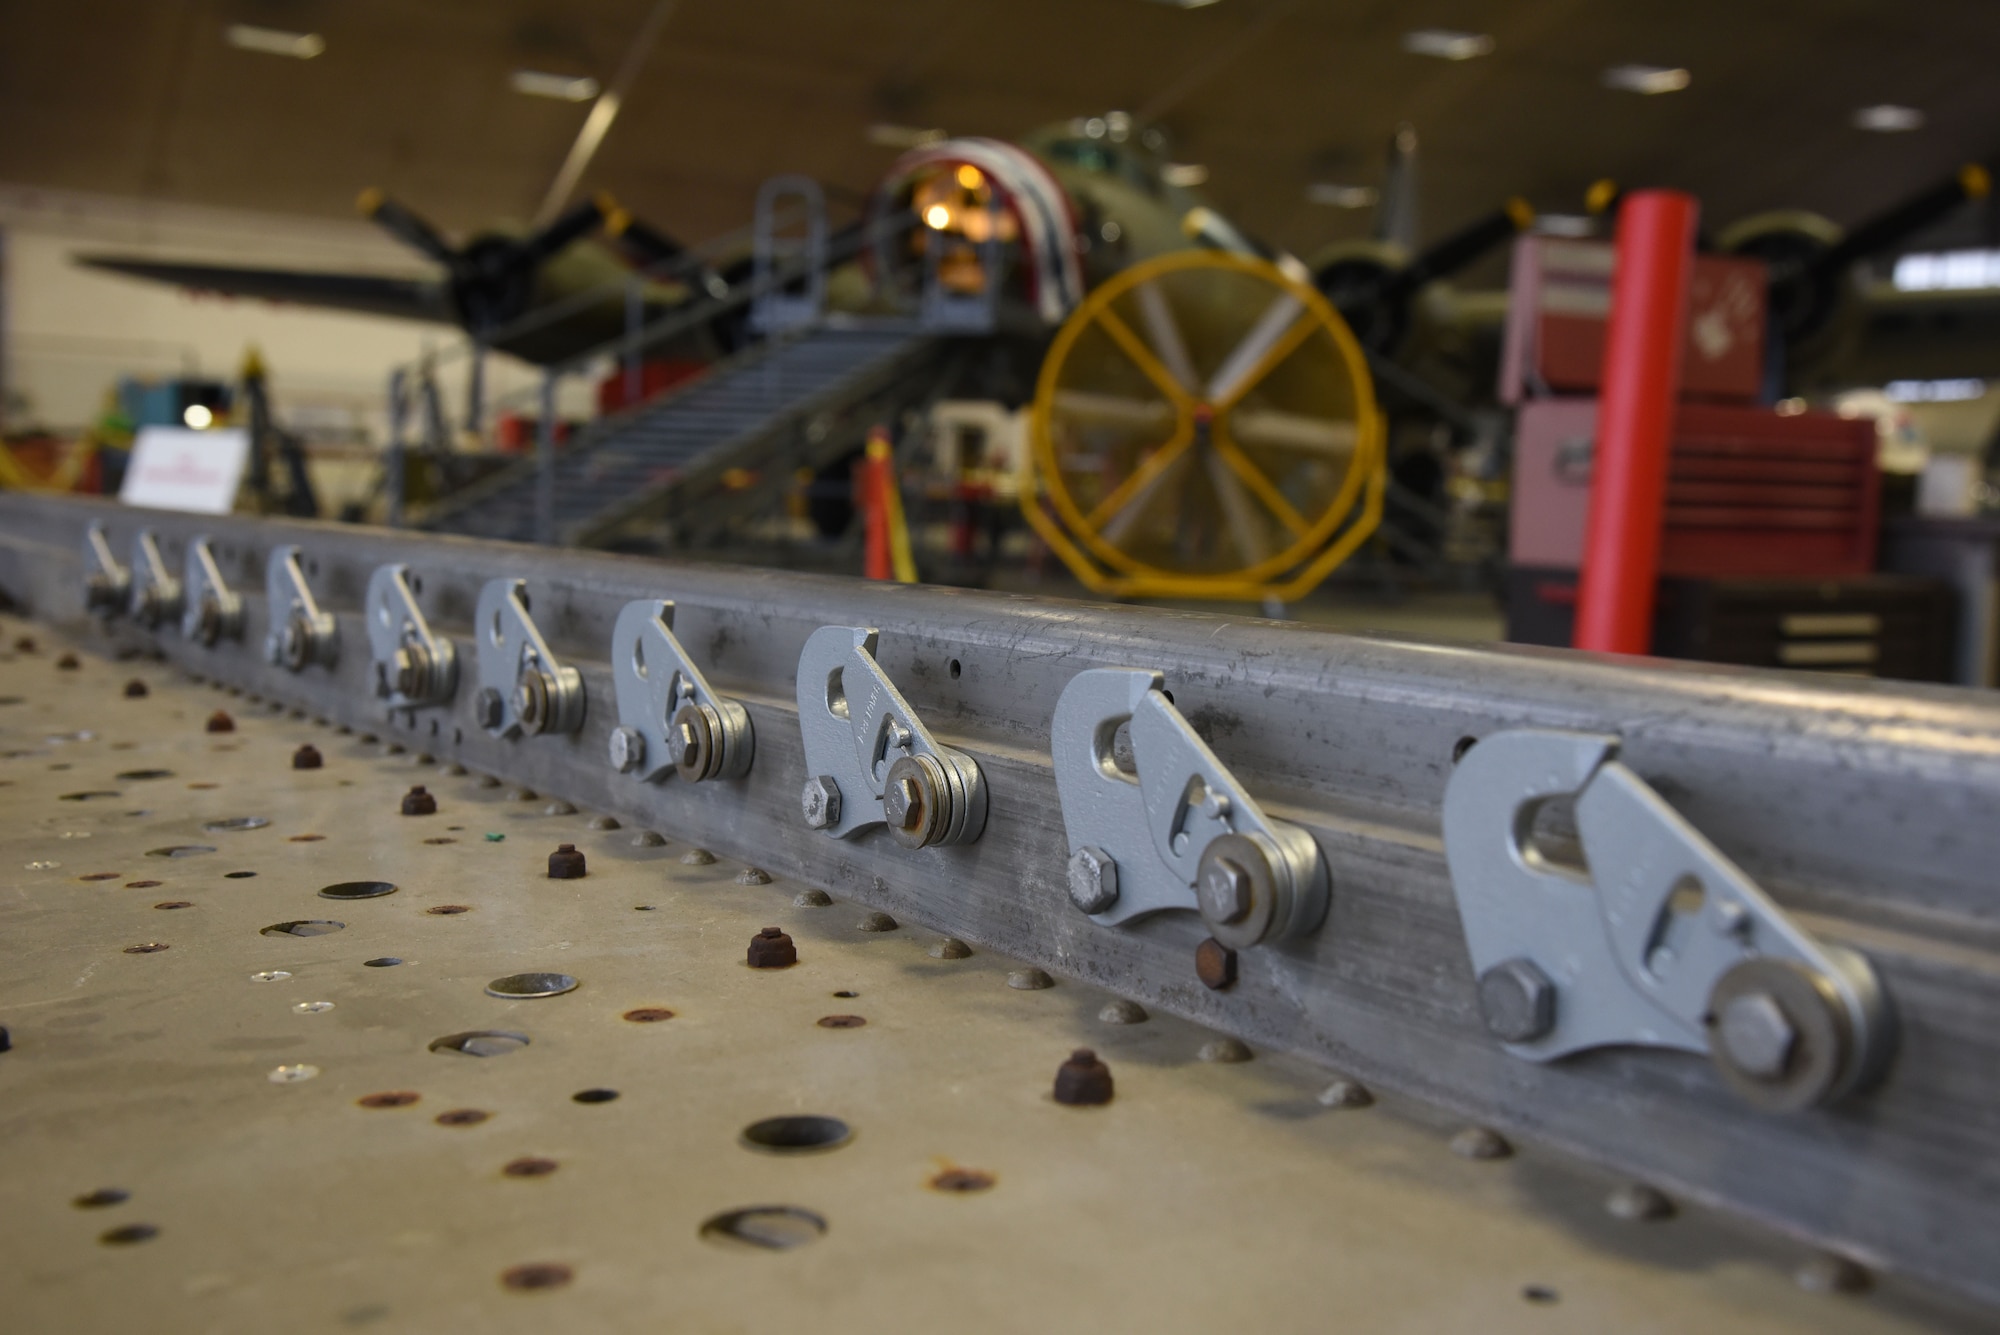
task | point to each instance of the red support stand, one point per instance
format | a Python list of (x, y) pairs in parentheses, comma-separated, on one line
[(1641, 383)]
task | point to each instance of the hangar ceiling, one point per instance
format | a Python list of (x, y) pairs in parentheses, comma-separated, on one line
[(144, 98)]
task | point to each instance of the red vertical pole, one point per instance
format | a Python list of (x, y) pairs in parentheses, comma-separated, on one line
[(1641, 383)]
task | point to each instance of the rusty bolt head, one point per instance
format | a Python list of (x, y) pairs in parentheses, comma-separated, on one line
[(69, 662), (820, 801), (903, 803), (1224, 892), (627, 749), (419, 802), (1214, 964), (1518, 1001), (1093, 879), (1083, 1080), (307, 757), (1757, 1034), (136, 689), (489, 711), (566, 863), (772, 948), (220, 721)]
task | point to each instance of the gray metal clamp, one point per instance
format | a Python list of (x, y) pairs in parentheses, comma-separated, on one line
[(106, 584), (669, 718), (522, 686), (870, 759), (212, 611), (299, 633), (1659, 940), (156, 591), (1156, 822), (413, 667)]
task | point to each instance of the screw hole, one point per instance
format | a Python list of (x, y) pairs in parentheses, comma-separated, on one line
[(594, 1095), (797, 1134), (1461, 746), (955, 669)]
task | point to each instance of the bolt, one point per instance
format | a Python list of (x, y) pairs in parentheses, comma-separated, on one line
[(307, 757), (527, 702), (1756, 1035), (687, 746), (565, 864), (1224, 892), (772, 949), (69, 663), (1518, 1001), (902, 803), (820, 801), (1214, 964), (1093, 879), (488, 709), (136, 689), (628, 749), (25, 645), (220, 721), (418, 802), (1083, 1080)]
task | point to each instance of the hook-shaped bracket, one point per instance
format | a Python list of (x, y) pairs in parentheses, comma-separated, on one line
[(299, 633), (107, 585), (156, 590), (213, 611), (413, 667), (523, 688), (669, 718)]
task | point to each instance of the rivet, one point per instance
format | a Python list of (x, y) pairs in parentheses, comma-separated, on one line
[(1829, 1273), (604, 823), (1635, 1202), (949, 948), (813, 899), (876, 922), (1029, 980), (648, 839), (1346, 1094), (697, 857), (1123, 1012), (559, 808), (1479, 1142), (1226, 1050), (753, 876)]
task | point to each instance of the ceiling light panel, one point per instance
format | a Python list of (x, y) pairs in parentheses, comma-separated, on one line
[(1338, 196), (1650, 80), (562, 87), (274, 41), (1447, 44), (903, 136), (1888, 118)]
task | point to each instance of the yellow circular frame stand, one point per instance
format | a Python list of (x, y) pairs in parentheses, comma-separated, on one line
[(1204, 427)]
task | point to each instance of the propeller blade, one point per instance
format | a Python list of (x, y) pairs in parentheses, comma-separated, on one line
[(1462, 247), (1885, 229), (638, 241), (578, 222), (404, 225)]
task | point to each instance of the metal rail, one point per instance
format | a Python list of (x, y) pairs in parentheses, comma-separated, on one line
[(1862, 811)]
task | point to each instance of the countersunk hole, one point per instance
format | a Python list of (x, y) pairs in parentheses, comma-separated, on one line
[(236, 823), (535, 1275), (529, 1167), (303, 927), (383, 962), (963, 1179), (518, 985), (141, 885), (394, 1098), (140, 775), (175, 904), (89, 796), (797, 1134), (955, 669), (447, 910), (649, 1014), (357, 890), (594, 1095), (126, 1234), (101, 876), (775, 1228), (179, 851), (1539, 1293), (845, 994), (305, 838), (237, 875), (103, 1196), (841, 1021), (440, 839), (147, 948), (481, 1043), (1461, 746), (462, 1117)]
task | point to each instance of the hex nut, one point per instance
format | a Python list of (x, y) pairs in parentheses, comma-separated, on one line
[(136, 690), (1780, 1035), (772, 948), (419, 802), (687, 746), (307, 757), (820, 801), (1214, 964), (628, 749), (1518, 1001), (69, 663), (1757, 1035), (902, 803), (1224, 892), (1083, 1080), (566, 863), (1093, 879), (220, 721), (488, 709)]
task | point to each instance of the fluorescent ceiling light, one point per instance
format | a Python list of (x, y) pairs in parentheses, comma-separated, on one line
[(1888, 118), (902, 136), (1934, 391), (1341, 196), (1446, 44), (274, 41), (1947, 271), (1184, 173), (562, 87), (1648, 79)]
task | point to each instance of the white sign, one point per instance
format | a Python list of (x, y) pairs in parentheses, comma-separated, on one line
[(177, 469)]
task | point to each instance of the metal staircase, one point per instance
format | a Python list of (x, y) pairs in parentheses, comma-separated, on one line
[(705, 452)]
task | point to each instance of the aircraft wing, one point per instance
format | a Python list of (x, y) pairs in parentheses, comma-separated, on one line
[(366, 294)]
